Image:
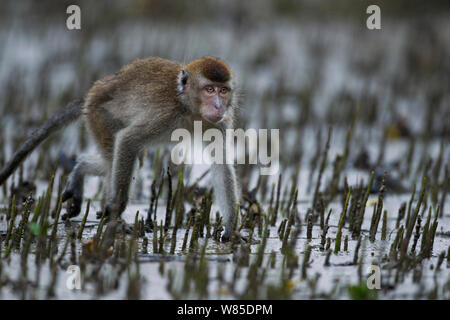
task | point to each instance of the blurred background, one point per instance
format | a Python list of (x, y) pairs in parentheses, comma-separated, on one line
[(301, 66), (347, 100)]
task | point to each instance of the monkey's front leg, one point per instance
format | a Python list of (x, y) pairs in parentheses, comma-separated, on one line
[(225, 188), (127, 145)]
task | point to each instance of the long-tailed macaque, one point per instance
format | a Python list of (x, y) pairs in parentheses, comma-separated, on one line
[(139, 106)]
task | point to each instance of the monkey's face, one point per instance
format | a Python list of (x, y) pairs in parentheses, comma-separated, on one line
[(208, 84), (215, 98), (209, 100)]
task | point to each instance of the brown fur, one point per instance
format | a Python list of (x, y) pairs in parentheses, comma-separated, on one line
[(212, 68), (142, 104), (153, 78)]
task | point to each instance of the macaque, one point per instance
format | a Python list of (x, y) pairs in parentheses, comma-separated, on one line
[(139, 106)]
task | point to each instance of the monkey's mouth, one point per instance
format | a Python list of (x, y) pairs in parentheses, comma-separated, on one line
[(214, 119)]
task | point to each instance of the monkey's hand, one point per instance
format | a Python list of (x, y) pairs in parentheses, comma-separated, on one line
[(113, 210), (75, 206)]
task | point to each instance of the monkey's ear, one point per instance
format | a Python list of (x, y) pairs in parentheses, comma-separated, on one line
[(182, 80)]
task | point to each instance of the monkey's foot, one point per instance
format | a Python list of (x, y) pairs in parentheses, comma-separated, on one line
[(99, 214), (112, 210), (122, 226), (75, 206), (225, 236), (235, 238), (125, 227), (109, 214)]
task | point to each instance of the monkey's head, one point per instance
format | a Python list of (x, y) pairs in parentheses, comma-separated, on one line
[(206, 85)]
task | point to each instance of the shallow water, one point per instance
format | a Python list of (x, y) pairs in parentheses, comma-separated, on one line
[(290, 66)]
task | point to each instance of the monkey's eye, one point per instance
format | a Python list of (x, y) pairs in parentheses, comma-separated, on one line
[(224, 90), (209, 89)]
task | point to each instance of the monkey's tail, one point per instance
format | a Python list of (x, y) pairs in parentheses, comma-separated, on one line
[(60, 119)]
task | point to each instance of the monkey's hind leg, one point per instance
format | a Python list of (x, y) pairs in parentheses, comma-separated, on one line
[(87, 165)]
